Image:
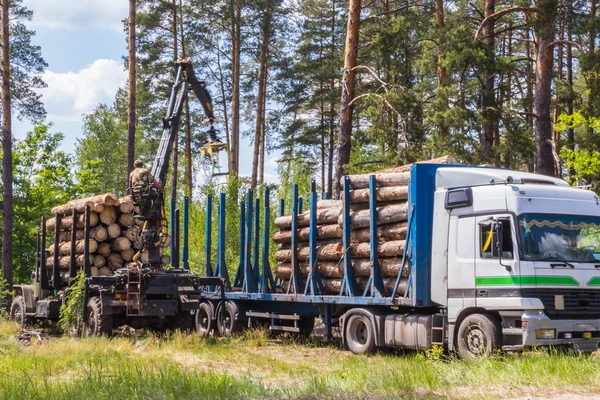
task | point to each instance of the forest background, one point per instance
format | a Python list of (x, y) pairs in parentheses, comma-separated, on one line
[(507, 83)]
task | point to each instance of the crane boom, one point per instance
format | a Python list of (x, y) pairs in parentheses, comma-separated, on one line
[(184, 79)]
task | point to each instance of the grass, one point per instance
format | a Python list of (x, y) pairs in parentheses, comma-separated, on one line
[(180, 366)]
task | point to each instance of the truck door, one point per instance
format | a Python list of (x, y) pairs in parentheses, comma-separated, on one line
[(496, 257)]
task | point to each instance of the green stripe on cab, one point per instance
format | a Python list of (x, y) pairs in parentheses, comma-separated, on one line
[(528, 280)]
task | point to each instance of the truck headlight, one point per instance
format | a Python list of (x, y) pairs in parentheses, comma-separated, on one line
[(545, 333)]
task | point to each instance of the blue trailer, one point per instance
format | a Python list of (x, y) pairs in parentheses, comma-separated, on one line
[(482, 274)]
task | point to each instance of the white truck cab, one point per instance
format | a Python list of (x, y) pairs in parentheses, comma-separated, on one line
[(520, 248)]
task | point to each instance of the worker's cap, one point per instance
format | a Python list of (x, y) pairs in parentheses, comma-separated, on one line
[(138, 164)]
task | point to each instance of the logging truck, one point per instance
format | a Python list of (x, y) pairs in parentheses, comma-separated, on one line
[(120, 250), (474, 259)]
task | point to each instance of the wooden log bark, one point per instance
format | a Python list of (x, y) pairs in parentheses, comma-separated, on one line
[(324, 217), (331, 251), (99, 261), (385, 215), (115, 261), (98, 233), (389, 268), (108, 215), (104, 249), (120, 244), (126, 204), (322, 242), (394, 248), (130, 233), (128, 254), (95, 271), (382, 180), (329, 204), (107, 199), (105, 271), (323, 232), (391, 193), (165, 259), (126, 220), (98, 208), (333, 286), (64, 262), (114, 231), (67, 222), (394, 231), (64, 248)]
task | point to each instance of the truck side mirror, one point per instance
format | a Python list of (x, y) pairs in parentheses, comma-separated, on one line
[(497, 243)]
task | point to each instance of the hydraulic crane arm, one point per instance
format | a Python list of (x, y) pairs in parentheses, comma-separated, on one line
[(184, 78)]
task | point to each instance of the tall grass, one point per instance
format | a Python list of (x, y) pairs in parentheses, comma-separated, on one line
[(179, 366)]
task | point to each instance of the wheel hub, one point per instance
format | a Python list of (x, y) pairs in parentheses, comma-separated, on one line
[(476, 341)]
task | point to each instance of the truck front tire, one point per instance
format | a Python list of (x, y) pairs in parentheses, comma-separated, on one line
[(478, 337), (360, 334), (18, 311), (98, 324)]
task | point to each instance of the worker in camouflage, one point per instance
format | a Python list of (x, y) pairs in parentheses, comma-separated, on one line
[(141, 179)]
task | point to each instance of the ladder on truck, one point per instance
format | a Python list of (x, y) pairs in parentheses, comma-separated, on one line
[(134, 291)]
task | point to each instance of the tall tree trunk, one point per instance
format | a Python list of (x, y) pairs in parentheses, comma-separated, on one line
[(262, 93), (558, 100), (331, 106), (569, 62), (188, 125), (441, 69), (236, 35), (132, 83), (542, 124), (488, 87), (350, 59), (7, 164), (176, 141)]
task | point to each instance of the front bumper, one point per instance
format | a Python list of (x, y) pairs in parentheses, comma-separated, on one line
[(583, 335)]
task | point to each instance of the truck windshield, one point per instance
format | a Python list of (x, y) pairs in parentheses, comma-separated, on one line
[(573, 238)]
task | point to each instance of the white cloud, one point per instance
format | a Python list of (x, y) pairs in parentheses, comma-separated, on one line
[(78, 14), (71, 94)]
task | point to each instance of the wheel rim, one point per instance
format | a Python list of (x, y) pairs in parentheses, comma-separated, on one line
[(225, 321), (359, 332), (17, 315), (476, 341), (90, 328), (203, 322)]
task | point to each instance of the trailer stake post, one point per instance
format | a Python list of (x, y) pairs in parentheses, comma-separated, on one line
[(256, 252), (266, 283), (221, 270), (348, 282), (176, 240), (55, 267), (295, 283), (237, 282), (208, 237), (73, 264), (314, 284), (186, 229), (87, 270), (173, 229), (249, 284), (375, 282)]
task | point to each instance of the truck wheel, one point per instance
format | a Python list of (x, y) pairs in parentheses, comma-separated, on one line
[(98, 324), (360, 335), (204, 319), (227, 322), (18, 311), (478, 337)]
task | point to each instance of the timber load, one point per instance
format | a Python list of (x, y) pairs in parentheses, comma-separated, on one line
[(391, 207), (114, 236)]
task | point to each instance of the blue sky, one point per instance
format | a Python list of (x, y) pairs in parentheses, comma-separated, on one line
[(83, 42)]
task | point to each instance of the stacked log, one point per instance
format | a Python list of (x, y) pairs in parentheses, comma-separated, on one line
[(114, 234), (392, 214)]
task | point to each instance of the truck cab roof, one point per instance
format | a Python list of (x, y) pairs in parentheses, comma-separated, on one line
[(456, 177)]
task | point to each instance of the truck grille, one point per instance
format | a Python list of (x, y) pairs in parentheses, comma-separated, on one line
[(578, 303)]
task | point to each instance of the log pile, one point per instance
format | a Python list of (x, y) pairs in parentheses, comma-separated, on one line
[(392, 215), (114, 236)]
